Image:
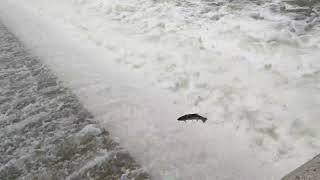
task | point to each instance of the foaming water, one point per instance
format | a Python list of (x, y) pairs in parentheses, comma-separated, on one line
[(250, 67)]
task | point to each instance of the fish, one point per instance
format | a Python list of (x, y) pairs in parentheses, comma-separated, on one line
[(190, 117)]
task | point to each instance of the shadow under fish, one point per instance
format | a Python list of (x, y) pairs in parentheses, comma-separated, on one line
[(191, 117)]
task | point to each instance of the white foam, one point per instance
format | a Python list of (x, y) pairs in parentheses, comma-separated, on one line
[(255, 80), (90, 130)]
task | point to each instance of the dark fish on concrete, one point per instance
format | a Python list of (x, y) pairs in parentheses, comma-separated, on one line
[(191, 117)]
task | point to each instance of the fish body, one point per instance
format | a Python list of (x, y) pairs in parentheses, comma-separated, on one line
[(190, 117)]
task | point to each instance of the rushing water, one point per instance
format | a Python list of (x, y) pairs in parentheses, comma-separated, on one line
[(250, 66)]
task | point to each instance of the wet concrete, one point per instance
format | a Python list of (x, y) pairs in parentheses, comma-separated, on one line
[(308, 171), (45, 132)]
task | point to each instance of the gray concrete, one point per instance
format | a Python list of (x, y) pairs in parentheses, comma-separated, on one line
[(308, 171), (45, 132)]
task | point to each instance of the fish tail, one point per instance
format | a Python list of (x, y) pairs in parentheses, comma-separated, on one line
[(204, 120)]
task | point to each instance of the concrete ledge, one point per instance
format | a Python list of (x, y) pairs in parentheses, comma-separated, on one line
[(308, 171)]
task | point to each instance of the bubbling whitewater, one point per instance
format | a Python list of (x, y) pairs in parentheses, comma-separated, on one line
[(250, 67)]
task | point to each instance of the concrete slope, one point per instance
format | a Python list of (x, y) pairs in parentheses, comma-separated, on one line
[(308, 171)]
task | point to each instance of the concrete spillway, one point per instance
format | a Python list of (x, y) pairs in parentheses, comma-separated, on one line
[(308, 171)]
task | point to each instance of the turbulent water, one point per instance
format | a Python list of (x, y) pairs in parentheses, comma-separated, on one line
[(250, 66), (45, 132)]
